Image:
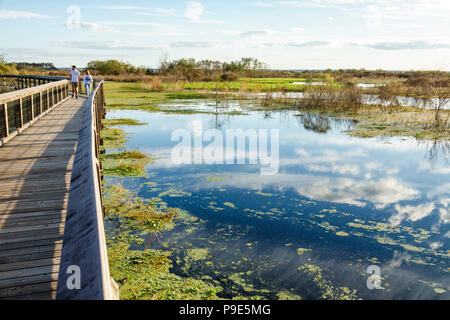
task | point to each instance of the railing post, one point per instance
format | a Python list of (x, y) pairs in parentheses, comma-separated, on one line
[(32, 106), (40, 103), (21, 112), (48, 99), (5, 110)]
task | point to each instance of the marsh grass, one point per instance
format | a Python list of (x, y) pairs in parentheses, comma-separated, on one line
[(332, 99), (113, 138)]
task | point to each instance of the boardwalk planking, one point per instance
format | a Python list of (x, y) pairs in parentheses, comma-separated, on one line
[(35, 170)]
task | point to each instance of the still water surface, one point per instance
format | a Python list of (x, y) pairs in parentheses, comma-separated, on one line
[(338, 205)]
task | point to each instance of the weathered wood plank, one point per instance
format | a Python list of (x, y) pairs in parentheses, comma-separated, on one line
[(50, 254), (40, 278), (50, 295), (51, 236), (37, 247), (28, 272), (29, 264)]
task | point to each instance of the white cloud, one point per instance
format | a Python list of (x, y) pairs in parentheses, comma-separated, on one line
[(436, 245), (306, 44), (104, 45), (194, 44), (408, 45), (194, 11), (158, 12), (381, 193), (411, 213), (8, 14), (95, 27)]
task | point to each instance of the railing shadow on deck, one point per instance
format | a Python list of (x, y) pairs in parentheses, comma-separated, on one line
[(84, 252)]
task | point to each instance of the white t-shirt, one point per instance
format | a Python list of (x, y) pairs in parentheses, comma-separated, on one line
[(74, 75), (87, 79)]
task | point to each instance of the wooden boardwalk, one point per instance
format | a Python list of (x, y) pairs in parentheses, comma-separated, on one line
[(35, 171)]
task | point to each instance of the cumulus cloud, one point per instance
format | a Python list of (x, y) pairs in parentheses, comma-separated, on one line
[(381, 193), (194, 11), (436, 245), (411, 213)]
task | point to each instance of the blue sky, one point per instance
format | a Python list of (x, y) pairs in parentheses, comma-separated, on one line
[(302, 34)]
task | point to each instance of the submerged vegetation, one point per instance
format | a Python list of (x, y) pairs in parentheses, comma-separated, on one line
[(145, 274)]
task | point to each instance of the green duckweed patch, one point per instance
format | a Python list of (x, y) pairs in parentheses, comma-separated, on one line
[(145, 275), (325, 285), (125, 163), (301, 251), (122, 122)]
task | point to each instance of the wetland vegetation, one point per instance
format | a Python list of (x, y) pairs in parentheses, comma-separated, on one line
[(360, 184)]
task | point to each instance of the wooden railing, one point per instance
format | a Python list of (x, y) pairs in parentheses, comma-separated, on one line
[(19, 109), (19, 82), (84, 246)]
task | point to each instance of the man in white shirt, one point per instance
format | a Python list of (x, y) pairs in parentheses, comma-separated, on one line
[(74, 79)]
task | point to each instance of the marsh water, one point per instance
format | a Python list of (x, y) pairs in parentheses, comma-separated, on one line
[(339, 208)]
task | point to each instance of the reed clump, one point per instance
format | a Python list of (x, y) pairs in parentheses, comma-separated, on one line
[(153, 84), (332, 99)]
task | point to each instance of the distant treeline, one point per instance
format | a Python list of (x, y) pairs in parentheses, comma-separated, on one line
[(28, 65), (24, 67), (185, 69), (208, 70)]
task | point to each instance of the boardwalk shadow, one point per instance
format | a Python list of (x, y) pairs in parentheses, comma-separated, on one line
[(35, 170)]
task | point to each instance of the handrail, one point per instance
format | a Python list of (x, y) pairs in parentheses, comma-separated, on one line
[(84, 246), (19, 109), (24, 81)]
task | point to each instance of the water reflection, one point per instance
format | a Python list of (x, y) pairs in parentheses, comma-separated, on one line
[(338, 205), (320, 124)]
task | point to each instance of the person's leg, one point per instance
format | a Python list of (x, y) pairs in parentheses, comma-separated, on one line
[(76, 90), (74, 87)]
